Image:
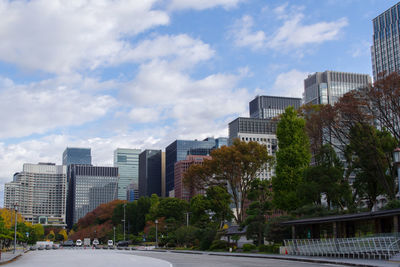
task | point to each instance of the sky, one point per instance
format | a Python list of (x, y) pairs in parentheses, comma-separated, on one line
[(140, 74)]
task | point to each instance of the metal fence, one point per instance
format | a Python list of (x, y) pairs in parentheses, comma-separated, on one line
[(378, 247)]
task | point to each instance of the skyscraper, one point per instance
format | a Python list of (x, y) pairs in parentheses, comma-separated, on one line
[(327, 87), (262, 131), (40, 191), (268, 107), (385, 50), (150, 173), (179, 149), (89, 187), (180, 169), (127, 161), (75, 155)]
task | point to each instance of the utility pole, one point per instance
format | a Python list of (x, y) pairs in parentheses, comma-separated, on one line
[(156, 222), (124, 220), (15, 227), (114, 236), (187, 219)]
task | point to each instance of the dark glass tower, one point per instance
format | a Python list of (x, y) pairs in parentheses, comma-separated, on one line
[(74, 155), (150, 173), (268, 107)]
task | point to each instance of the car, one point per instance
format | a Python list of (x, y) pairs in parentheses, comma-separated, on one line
[(33, 248), (78, 243), (48, 247), (41, 247), (123, 243), (110, 243), (95, 242), (68, 243)]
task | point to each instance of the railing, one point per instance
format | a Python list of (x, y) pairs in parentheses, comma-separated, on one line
[(379, 247)]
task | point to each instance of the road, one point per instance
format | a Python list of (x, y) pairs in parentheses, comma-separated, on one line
[(115, 258)]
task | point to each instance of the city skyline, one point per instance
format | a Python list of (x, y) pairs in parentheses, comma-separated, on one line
[(184, 72)]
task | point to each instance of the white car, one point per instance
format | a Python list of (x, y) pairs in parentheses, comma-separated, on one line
[(78, 243), (95, 242), (110, 243)]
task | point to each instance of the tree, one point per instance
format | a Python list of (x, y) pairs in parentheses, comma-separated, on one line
[(220, 201), (234, 168), (260, 195), (369, 154), (51, 235), (325, 179), (292, 157)]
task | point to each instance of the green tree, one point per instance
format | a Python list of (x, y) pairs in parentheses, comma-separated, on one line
[(325, 179), (186, 235), (260, 195), (220, 204), (292, 157), (233, 167), (369, 154)]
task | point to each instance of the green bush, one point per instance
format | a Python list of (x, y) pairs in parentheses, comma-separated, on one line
[(269, 248), (249, 247), (207, 238), (219, 244)]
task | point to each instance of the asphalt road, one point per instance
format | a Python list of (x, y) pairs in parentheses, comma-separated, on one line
[(115, 258)]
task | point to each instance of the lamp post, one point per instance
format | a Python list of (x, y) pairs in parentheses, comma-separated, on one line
[(114, 236), (156, 222), (15, 227), (396, 160), (124, 221)]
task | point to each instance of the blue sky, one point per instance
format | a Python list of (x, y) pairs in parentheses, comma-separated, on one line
[(140, 74)]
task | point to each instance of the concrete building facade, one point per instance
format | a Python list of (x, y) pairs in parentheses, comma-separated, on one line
[(40, 191)]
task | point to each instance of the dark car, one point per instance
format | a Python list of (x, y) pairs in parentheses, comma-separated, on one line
[(123, 243), (48, 247), (68, 243)]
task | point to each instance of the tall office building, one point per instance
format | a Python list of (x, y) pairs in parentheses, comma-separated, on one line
[(385, 50), (262, 131), (132, 193), (127, 161), (40, 192), (181, 167), (150, 173), (268, 107), (179, 149), (89, 187), (327, 87), (75, 155)]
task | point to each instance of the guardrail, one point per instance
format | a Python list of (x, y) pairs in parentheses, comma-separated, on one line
[(380, 247)]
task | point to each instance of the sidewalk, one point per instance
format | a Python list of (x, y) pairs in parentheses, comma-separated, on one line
[(339, 261), (9, 256)]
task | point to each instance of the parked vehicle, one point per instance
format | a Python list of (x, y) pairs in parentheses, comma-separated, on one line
[(68, 243), (123, 244), (110, 243), (78, 243), (95, 242), (86, 242)]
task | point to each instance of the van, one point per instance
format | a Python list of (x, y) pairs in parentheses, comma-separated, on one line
[(78, 243), (110, 243)]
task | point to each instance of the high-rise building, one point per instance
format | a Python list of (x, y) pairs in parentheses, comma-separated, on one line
[(150, 173), (327, 87), (132, 193), (89, 187), (75, 155), (385, 49), (262, 131), (179, 149), (40, 191), (127, 161), (181, 167), (268, 107)]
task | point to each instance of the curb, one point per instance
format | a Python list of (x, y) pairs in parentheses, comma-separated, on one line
[(319, 260), (13, 259)]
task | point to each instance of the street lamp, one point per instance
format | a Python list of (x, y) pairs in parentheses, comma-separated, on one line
[(396, 160), (15, 227), (114, 236), (156, 222)]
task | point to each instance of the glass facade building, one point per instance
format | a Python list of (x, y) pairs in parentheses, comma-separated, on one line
[(268, 107), (327, 87), (127, 161), (179, 149), (75, 155), (89, 187), (40, 191), (150, 173), (385, 50)]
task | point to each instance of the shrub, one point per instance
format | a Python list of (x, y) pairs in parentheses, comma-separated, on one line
[(219, 244), (249, 247), (207, 239), (269, 248)]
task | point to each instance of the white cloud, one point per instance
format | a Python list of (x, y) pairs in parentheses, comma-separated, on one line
[(40, 107), (203, 4), (63, 36), (244, 35), (289, 83), (292, 34)]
